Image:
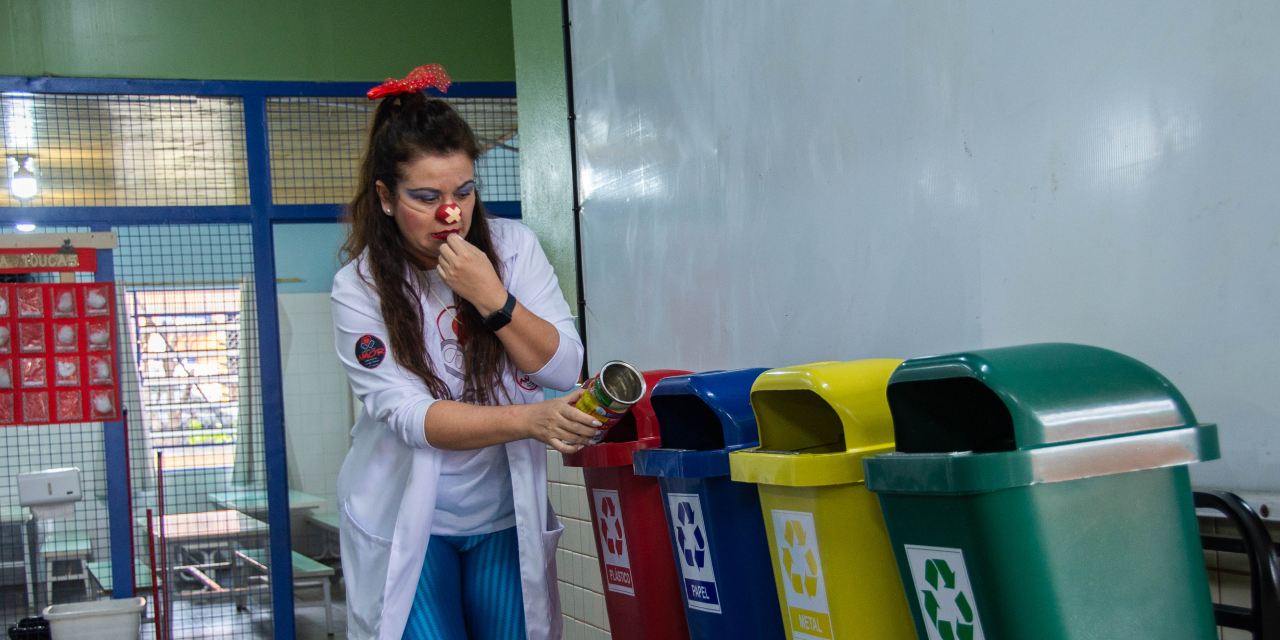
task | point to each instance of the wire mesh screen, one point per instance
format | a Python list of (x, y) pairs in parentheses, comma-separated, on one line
[(316, 144), (189, 377), (51, 561), (118, 150)]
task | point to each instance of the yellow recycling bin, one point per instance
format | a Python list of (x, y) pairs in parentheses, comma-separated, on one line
[(833, 563)]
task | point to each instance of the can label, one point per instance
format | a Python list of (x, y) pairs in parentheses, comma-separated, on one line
[(796, 538), (694, 550), (613, 542), (941, 583), (598, 404)]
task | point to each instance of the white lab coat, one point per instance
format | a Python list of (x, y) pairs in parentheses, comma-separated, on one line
[(387, 487)]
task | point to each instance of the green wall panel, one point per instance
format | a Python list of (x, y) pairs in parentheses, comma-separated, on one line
[(318, 40), (546, 185)]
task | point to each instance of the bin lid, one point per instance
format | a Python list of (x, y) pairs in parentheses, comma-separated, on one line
[(704, 411), (1028, 396), (999, 418), (635, 431), (968, 472), (702, 417), (816, 422)]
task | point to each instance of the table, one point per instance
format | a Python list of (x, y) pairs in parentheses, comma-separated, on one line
[(193, 541), (208, 531), (253, 502)]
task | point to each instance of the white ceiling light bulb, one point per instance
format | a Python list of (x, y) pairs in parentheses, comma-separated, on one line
[(25, 227), (23, 184)]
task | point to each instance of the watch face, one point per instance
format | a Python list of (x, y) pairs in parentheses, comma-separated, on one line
[(499, 319)]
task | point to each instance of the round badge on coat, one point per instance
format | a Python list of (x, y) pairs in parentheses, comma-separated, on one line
[(370, 351)]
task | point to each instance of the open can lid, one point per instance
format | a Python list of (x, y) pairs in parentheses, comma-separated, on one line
[(637, 430)]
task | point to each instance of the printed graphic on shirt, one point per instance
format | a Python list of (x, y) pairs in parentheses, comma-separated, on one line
[(526, 383), (797, 540), (613, 542), (693, 548), (370, 351), (450, 344)]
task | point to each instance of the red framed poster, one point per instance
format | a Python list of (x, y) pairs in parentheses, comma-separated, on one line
[(58, 353)]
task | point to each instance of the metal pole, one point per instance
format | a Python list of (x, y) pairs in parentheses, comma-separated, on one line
[(155, 582), (164, 549), (128, 487), (573, 173)]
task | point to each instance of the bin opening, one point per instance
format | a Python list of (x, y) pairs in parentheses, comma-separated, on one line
[(624, 431), (950, 414), (688, 423), (797, 420)]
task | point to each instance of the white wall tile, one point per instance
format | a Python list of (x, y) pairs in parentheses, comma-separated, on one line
[(581, 599)]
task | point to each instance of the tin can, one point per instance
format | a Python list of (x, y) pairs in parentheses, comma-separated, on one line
[(610, 394)]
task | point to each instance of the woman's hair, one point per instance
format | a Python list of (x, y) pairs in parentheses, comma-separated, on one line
[(406, 127)]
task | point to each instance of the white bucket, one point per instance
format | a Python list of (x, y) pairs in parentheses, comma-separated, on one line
[(97, 620)]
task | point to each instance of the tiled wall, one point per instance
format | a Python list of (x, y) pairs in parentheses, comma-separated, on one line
[(317, 398), (581, 591)]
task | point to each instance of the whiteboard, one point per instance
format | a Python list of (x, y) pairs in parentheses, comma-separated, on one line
[(769, 183)]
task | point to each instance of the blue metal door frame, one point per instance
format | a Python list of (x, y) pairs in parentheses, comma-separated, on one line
[(262, 214)]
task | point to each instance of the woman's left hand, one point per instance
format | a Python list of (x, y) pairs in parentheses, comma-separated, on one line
[(469, 273)]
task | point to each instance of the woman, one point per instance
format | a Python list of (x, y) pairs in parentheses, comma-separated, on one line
[(449, 324)]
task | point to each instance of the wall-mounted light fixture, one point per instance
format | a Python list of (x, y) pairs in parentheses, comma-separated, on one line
[(23, 184)]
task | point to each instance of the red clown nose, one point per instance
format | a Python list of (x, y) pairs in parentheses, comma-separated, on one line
[(449, 213)]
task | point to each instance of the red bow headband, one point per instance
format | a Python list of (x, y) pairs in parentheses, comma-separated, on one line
[(428, 75)]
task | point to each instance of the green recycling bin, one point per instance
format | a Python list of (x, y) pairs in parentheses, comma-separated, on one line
[(1041, 492)]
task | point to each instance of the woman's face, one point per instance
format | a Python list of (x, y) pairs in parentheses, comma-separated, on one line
[(426, 184)]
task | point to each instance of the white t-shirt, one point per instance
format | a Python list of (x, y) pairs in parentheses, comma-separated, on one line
[(474, 493)]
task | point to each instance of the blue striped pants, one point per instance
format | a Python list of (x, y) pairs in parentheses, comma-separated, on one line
[(469, 589)]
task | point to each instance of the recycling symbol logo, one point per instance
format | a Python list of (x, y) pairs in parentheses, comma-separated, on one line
[(612, 535), (798, 561), (941, 587), (693, 545)]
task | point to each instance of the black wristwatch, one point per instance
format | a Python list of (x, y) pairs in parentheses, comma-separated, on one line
[(500, 318)]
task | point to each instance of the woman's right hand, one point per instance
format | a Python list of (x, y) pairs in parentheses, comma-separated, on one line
[(560, 425)]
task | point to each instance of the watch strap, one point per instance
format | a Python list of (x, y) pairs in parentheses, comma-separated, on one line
[(502, 317)]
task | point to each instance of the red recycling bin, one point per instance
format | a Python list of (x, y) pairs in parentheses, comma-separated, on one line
[(641, 588)]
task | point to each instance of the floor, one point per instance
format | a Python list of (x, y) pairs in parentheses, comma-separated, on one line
[(209, 620)]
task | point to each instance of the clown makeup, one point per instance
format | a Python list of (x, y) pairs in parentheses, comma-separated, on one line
[(430, 185), (431, 197)]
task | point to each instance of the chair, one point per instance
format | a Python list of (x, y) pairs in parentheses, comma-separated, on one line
[(69, 548), (1262, 618)]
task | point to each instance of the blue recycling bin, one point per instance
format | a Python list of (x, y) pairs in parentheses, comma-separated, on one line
[(722, 551)]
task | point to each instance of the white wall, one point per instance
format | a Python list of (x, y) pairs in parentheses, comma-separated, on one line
[(768, 183), (317, 397)]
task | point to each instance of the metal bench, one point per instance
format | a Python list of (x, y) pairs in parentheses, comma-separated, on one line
[(69, 548), (1262, 619), (100, 575), (328, 524), (307, 573)]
